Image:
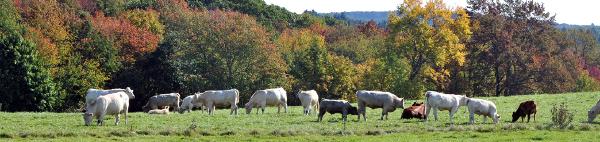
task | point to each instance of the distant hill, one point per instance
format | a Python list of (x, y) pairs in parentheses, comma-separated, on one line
[(356, 17), (595, 29)]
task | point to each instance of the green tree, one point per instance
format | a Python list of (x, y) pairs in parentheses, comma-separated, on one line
[(24, 80)]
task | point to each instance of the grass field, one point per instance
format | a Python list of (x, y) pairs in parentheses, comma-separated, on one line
[(294, 126)]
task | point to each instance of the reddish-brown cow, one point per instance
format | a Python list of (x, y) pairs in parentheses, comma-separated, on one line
[(417, 110), (525, 108)]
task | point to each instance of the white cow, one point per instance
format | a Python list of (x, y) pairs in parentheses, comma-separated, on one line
[(441, 101), (190, 102), (309, 100), (170, 99), (593, 112), (93, 94), (377, 99), (109, 104), (212, 98), (482, 107), (268, 97)]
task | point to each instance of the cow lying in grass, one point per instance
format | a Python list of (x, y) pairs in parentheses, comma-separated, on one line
[(160, 111), (417, 110)]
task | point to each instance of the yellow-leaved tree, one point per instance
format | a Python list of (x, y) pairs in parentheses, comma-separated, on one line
[(431, 39)]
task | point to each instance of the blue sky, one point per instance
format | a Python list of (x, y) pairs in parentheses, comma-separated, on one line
[(580, 12)]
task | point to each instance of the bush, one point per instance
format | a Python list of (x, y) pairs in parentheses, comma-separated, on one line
[(561, 116)]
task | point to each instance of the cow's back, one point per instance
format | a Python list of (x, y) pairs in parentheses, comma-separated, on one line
[(374, 98)]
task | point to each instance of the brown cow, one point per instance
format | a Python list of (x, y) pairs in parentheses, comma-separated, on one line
[(417, 110), (525, 108)]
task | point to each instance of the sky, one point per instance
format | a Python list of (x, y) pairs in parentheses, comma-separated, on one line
[(579, 12)]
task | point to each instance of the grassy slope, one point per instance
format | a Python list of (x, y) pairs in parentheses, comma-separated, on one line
[(294, 126)]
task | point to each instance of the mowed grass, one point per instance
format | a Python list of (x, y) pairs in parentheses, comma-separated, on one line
[(294, 126)]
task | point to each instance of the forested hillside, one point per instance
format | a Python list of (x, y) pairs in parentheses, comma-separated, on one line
[(52, 51)]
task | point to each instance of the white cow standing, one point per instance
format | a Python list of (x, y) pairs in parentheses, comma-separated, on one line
[(482, 107), (93, 94), (212, 98), (268, 97), (441, 101), (309, 100), (109, 104), (191, 102)]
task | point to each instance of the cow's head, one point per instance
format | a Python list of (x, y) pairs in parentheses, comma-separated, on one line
[(592, 115), (515, 116), (248, 107), (399, 103), (463, 99), (129, 93), (352, 110), (87, 118)]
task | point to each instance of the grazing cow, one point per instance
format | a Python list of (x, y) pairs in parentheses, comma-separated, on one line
[(525, 108), (593, 112), (213, 98), (268, 97), (93, 94), (189, 103), (171, 100), (377, 99), (336, 106), (440, 101), (160, 111), (417, 110), (109, 104), (309, 100), (482, 107)]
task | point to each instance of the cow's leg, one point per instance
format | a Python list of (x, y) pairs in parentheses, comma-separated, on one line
[(126, 119), (361, 110), (534, 117), (344, 115), (451, 114), (320, 117), (285, 107), (528, 117), (485, 118), (117, 119), (278, 108), (471, 118), (435, 114), (427, 111)]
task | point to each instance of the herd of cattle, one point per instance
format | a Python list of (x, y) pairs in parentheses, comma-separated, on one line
[(116, 102)]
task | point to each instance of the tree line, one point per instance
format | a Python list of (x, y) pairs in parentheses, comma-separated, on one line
[(52, 51)]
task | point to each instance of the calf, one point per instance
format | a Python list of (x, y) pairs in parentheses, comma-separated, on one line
[(336, 106), (160, 111), (417, 110), (525, 108)]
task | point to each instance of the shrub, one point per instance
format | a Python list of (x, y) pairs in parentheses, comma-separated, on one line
[(561, 116)]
